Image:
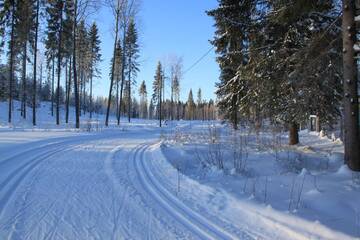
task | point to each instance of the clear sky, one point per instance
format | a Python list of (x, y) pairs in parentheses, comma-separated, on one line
[(167, 27)]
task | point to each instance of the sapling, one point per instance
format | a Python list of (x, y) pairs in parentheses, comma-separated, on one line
[(300, 192)]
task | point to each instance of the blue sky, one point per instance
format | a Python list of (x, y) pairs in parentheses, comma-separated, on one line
[(167, 27)]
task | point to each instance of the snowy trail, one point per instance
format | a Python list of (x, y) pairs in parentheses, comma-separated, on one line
[(111, 185), (199, 225), (95, 187)]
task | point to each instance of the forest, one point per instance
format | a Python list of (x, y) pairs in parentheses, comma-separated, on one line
[(64, 68), (145, 119), (285, 61)]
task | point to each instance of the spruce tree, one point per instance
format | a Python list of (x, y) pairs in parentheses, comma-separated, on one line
[(143, 100), (232, 19), (157, 91), (190, 107), (200, 107), (118, 78), (302, 63)]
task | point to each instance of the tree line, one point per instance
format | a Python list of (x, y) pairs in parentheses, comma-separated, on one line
[(55, 38), (287, 60), (70, 52)]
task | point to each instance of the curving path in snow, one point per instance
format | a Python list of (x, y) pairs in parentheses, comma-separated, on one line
[(97, 186), (117, 185)]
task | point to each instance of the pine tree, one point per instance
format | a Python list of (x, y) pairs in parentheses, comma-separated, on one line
[(94, 59), (68, 24), (83, 56), (132, 55), (3, 19), (54, 46), (8, 19), (23, 30), (35, 60), (117, 16), (74, 70)]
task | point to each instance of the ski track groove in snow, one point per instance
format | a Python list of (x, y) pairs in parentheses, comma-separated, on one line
[(158, 172), (17, 176), (18, 223), (160, 219), (109, 169), (198, 225)]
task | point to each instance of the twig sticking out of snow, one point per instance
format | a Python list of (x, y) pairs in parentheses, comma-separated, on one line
[(246, 181), (265, 192)]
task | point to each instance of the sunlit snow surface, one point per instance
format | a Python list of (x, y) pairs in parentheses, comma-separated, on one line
[(137, 181)]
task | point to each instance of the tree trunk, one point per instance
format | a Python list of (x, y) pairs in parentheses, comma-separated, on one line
[(122, 71), (350, 101), (68, 94), (120, 97), (59, 68), (117, 101), (66, 85), (178, 111), (84, 93), (293, 133), (23, 100), (91, 101), (129, 91), (52, 86), (40, 78), (77, 106), (80, 90), (317, 124), (113, 64), (11, 70), (35, 61), (234, 113), (160, 100)]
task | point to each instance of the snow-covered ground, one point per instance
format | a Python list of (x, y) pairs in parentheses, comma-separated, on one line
[(141, 182)]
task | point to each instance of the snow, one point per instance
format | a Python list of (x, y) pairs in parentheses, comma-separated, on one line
[(141, 182)]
